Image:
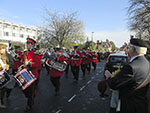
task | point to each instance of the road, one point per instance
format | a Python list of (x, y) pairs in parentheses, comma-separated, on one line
[(81, 97)]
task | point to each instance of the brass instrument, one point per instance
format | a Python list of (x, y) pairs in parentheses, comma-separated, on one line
[(14, 55), (117, 71), (75, 56), (66, 55), (60, 66), (11, 51)]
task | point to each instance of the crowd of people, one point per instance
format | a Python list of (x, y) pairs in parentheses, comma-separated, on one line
[(24, 68), (131, 82)]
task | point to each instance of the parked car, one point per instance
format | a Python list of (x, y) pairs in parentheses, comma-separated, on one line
[(115, 61)]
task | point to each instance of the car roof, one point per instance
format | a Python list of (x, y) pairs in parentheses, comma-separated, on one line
[(118, 54)]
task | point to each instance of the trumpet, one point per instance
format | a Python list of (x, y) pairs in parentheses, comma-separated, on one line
[(14, 55), (12, 52), (117, 71)]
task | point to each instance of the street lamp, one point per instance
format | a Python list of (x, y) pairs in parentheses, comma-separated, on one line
[(92, 36)]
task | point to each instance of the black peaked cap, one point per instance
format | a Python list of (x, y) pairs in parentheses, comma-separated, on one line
[(138, 42)]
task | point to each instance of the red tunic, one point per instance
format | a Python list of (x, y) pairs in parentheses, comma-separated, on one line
[(54, 72), (39, 57), (77, 60), (89, 57), (94, 58), (31, 57), (84, 58), (68, 59), (19, 61)]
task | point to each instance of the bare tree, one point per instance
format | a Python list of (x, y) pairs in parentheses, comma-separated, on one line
[(139, 17), (61, 29)]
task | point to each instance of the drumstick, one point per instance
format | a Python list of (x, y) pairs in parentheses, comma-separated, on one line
[(23, 64)]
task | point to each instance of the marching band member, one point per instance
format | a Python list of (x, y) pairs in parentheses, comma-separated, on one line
[(76, 62), (94, 60), (18, 60), (89, 61), (55, 75), (6, 64), (38, 54), (31, 63), (84, 62), (45, 59), (67, 57)]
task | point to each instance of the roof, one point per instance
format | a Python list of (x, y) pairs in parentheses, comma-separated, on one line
[(118, 54)]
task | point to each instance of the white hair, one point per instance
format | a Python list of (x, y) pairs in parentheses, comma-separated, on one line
[(140, 50)]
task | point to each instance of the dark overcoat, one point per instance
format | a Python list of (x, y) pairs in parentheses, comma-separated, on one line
[(127, 80)]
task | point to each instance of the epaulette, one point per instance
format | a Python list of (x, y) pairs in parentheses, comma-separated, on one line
[(38, 52)]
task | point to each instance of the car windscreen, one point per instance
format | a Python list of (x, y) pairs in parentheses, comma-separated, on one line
[(122, 59)]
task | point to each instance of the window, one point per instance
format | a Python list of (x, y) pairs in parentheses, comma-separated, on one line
[(28, 30), (5, 25), (13, 34), (0, 33), (6, 33), (21, 35), (118, 59), (22, 29), (14, 27)]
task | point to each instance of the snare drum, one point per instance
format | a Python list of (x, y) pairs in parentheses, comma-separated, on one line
[(4, 78), (24, 78)]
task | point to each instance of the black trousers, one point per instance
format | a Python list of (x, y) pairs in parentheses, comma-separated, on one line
[(2, 94), (75, 71), (67, 68), (29, 92), (83, 68), (89, 67), (56, 83), (47, 68), (94, 65), (4, 91)]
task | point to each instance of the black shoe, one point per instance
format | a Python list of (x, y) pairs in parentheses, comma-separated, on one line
[(28, 108), (104, 95)]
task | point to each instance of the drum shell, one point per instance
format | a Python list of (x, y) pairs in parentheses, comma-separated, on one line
[(24, 78), (4, 79)]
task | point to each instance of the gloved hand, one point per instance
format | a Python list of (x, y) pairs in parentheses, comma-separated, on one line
[(28, 65)]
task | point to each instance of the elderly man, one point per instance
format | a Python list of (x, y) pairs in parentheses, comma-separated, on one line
[(133, 80)]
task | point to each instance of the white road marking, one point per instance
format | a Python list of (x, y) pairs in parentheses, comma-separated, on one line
[(82, 88), (58, 111), (89, 81), (72, 98)]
